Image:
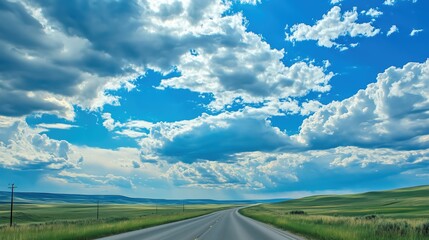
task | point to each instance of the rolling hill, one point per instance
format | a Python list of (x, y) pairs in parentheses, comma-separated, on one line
[(40, 198), (403, 202), (382, 215)]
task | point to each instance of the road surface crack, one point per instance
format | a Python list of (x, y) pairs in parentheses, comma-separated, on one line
[(208, 229)]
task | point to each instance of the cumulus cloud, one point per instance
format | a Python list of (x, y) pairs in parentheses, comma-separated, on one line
[(310, 107), (245, 68), (106, 170), (22, 147), (294, 171), (26, 151), (133, 129), (393, 2), (375, 13), (108, 122), (76, 53), (392, 30), (250, 171), (331, 27), (215, 137), (47, 70), (336, 1), (393, 112), (364, 137), (252, 2), (59, 55), (414, 32)]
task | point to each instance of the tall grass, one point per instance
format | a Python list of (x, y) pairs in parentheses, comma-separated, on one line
[(342, 227), (90, 229)]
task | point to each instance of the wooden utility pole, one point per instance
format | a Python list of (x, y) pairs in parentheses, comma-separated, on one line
[(98, 208), (12, 187)]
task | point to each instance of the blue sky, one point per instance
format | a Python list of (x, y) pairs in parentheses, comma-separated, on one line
[(227, 99)]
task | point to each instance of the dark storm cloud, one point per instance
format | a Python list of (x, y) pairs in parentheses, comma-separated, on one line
[(18, 27), (118, 28), (216, 143), (17, 103)]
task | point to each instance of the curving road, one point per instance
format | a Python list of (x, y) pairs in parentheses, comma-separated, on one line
[(222, 225)]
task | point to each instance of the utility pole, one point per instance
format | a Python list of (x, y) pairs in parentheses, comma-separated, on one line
[(98, 208), (12, 187)]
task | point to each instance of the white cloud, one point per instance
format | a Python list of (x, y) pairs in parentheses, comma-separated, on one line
[(92, 181), (213, 52), (414, 32), (250, 171), (132, 128), (109, 53), (389, 2), (336, 1), (130, 133), (107, 170), (102, 161), (393, 112), (372, 117), (22, 147), (393, 2), (392, 30), (56, 125), (293, 171), (109, 123), (252, 2), (332, 26), (375, 13), (138, 124), (310, 107), (215, 137), (356, 134), (111, 170), (43, 52), (248, 69)]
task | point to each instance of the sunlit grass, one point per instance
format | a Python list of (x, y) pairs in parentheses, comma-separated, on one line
[(398, 214), (347, 228), (71, 221)]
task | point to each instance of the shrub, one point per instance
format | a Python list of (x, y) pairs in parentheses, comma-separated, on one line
[(393, 228), (370, 217), (423, 229), (367, 217), (297, 212)]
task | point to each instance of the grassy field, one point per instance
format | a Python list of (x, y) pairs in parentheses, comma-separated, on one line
[(78, 221), (396, 214)]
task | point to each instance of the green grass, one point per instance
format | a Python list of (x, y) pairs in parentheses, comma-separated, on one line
[(72, 221), (399, 214)]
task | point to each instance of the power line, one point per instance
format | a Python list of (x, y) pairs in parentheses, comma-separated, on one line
[(12, 187)]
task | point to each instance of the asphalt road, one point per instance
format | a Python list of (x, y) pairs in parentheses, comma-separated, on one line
[(222, 225)]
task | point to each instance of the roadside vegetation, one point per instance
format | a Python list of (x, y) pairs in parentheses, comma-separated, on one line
[(75, 221), (397, 214)]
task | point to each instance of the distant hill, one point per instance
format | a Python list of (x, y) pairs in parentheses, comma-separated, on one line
[(405, 202), (35, 197)]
